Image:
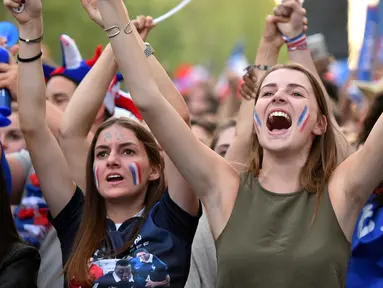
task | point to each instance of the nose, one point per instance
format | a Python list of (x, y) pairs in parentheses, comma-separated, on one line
[(113, 160), (279, 97)]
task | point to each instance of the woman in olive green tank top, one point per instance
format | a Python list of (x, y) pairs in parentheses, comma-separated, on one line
[(286, 223)]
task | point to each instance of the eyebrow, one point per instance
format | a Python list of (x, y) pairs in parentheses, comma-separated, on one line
[(122, 145), (290, 85)]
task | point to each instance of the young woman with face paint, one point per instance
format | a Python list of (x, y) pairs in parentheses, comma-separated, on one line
[(287, 222), (126, 207)]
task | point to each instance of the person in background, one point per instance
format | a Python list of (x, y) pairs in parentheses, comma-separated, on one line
[(224, 135), (11, 136), (366, 263), (203, 130), (19, 263)]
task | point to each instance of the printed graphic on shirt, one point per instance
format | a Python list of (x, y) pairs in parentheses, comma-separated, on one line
[(139, 269)]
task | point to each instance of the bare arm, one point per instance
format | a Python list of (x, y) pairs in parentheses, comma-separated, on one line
[(81, 112), (293, 28), (356, 178), (209, 175), (268, 51), (45, 152), (179, 190)]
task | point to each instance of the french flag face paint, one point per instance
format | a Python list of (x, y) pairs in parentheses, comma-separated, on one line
[(95, 172), (257, 121), (304, 118), (136, 173)]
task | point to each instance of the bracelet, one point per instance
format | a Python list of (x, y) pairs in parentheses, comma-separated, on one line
[(111, 28), (259, 67), (297, 43), (27, 60), (119, 30), (148, 50), (131, 28), (37, 40)]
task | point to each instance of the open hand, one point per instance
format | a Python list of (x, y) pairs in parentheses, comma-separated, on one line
[(90, 7), (292, 10), (32, 10)]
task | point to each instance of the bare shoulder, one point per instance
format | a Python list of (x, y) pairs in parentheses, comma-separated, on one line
[(219, 209)]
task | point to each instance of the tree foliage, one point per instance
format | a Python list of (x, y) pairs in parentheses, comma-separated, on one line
[(204, 32)]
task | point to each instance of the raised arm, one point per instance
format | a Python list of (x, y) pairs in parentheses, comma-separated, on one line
[(301, 55), (208, 174), (267, 56), (178, 188), (81, 113), (46, 155)]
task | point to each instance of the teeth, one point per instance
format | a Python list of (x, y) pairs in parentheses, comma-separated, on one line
[(114, 176), (279, 114)]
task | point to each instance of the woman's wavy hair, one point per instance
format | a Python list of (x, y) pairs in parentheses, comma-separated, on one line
[(92, 232)]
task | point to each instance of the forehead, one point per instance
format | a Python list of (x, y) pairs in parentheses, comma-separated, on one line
[(116, 134), (284, 77), (226, 137), (60, 84)]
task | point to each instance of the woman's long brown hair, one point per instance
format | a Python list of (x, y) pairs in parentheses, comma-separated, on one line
[(322, 159), (92, 232)]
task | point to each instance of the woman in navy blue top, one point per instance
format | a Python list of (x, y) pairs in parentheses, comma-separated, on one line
[(125, 231)]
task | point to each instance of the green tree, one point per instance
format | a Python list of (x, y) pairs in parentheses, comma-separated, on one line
[(204, 32)]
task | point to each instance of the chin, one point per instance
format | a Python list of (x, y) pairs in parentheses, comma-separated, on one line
[(112, 193)]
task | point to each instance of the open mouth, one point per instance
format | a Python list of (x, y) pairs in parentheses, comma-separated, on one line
[(112, 178), (278, 121)]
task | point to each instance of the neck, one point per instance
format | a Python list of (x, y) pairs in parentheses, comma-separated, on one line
[(120, 210), (280, 172)]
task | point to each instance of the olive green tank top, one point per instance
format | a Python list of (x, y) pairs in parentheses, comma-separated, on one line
[(271, 242)]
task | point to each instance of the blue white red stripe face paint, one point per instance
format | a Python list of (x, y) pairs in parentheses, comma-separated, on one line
[(257, 120), (304, 118), (136, 173), (95, 172)]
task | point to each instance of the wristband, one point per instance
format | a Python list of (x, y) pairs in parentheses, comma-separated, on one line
[(297, 43), (27, 60)]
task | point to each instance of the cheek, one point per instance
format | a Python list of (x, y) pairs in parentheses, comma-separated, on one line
[(304, 118), (96, 173), (136, 171)]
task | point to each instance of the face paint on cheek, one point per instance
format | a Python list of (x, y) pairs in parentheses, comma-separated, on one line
[(95, 172), (304, 118), (257, 121), (136, 173)]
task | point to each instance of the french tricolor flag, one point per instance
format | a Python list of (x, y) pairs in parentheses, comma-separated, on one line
[(95, 172), (136, 173), (304, 118)]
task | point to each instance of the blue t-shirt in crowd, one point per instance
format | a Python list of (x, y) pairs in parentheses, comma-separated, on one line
[(159, 256), (366, 262)]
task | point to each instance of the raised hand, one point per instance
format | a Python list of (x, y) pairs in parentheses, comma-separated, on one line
[(271, 34), (291, 9), (32, 10), (143, 25), (249, 85), (90, 7)]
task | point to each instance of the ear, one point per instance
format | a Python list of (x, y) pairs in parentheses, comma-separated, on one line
[(321, 125), (155, 173)]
